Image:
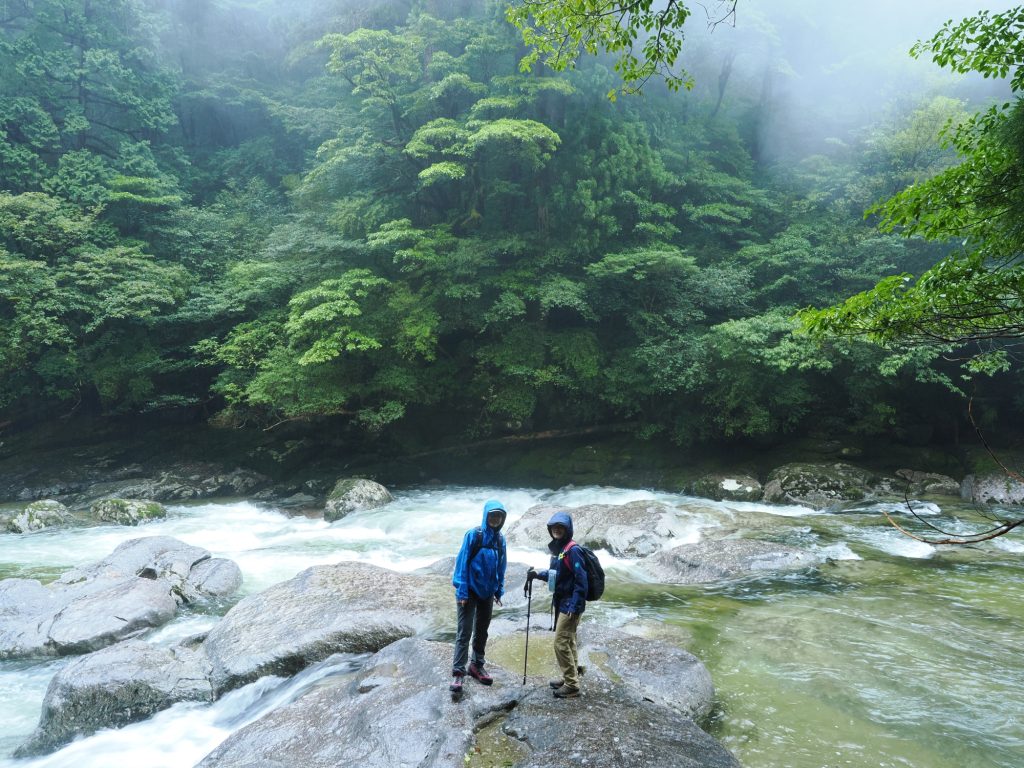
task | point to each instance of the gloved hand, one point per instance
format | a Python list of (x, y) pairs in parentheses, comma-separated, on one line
[(532, 574)]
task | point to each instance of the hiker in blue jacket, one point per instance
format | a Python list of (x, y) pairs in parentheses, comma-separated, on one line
[(567, 581), (479, 581)]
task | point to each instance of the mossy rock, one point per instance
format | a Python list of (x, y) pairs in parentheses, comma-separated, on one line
[(351, 494), (817, 485), (127, 511), (38, 516), (730, 487)]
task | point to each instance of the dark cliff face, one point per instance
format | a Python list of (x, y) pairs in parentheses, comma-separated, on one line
[(78, 461)]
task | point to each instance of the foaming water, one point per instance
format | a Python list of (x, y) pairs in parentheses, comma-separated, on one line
[(184, 734), (893, 542)]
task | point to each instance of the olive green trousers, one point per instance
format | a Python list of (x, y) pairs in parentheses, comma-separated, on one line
[(566, 653)]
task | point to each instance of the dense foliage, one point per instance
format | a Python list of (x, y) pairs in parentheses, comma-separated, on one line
[(974, 296), (381, 218)]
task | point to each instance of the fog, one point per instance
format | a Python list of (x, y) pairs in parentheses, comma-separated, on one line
[(807, 76), (820, 71)]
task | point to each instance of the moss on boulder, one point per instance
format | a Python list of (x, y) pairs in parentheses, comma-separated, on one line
[(38, 516), (351, 494), (127, 511)]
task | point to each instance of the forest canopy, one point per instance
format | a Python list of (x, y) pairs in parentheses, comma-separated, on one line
[(373, 214)]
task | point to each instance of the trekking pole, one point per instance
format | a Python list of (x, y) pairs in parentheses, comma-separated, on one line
[(528, 589)]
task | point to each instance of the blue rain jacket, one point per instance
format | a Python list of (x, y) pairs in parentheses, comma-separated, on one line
[(571, 581), (484, 573)]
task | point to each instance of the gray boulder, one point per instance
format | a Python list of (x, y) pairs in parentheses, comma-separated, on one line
[(818, 486), (728, 487), (138, 587), (113, 687), (181, 483), (992, 488), (609, 727), (352, 494), (916, 484), (127, 511), (347, 607), (515, 579), (718, 559), (659, 672), (38, 516), (628, 530), (397, 711)]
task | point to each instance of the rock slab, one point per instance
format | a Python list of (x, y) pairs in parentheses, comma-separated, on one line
[(716, 559), (136, 588), (396, 711), (347, 607), (113, 687)]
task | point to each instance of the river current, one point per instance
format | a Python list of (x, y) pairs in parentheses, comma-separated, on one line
[(892, 653)]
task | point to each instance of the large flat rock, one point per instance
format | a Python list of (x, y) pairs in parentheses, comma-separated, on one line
[(396, 711), (718, 559), (347, 607), (136, 588), (657, 671)]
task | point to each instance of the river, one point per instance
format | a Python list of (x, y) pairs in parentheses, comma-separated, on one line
[(893, 653)]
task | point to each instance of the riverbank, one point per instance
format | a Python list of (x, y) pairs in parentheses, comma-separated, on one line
[(60, 459)]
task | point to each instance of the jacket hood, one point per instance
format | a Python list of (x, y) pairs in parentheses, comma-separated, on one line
[(561, 518), (491, 505)]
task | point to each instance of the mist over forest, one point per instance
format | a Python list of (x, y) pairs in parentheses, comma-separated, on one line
[(364, 215)]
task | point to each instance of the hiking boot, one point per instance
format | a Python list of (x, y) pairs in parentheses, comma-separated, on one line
[(565, 692), (556, 683), (479, 674), (456, 686)]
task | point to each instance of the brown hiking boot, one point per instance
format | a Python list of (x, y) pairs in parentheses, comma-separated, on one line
[(565, 692), (556, 683)]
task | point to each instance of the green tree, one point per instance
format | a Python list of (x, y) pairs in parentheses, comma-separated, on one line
[(644, 37), (976, 294)]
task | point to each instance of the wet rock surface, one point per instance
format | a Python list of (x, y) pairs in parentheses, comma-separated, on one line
[(138, 587), (38, 516), (628, 530), (609, 727), (655, 670), (127, 511), (116, 686), (352, 494), (993, 488), (728, 487), (347, 607), (397, 711), (818, 486), (183, 482), (717, 559)]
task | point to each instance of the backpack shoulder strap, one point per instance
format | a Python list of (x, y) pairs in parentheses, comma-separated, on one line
[(564, 557), (478, 542)]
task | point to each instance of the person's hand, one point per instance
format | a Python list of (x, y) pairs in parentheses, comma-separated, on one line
[(462, 602), (532, 574), (497, 601)]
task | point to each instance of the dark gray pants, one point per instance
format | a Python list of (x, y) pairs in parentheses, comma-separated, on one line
[(474, 618)]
